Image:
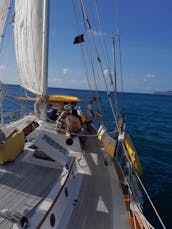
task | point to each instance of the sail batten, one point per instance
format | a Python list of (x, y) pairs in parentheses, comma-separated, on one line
[(28, 29), (4, 6)]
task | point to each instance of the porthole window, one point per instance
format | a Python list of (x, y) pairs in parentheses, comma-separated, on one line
[(52, 220), (66, 192)]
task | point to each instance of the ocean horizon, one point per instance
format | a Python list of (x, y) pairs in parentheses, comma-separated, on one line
[(130, 92)]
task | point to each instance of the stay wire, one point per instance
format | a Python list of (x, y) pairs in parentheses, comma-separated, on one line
[(5, 22), (99, 61), (94, 75), (118, 35), (90, 57), (147, 195), (143, 188), (107, 61), (82, 53)]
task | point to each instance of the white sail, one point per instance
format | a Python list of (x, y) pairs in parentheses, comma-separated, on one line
[(4, 6), (28, 29)]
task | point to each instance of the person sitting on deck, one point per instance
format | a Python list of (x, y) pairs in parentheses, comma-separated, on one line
[(75, 113), (73, 126), (61, 124)]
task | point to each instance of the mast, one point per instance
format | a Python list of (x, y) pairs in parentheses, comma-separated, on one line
[(45, 46), (45, 38), (115, 80), (1, 101)]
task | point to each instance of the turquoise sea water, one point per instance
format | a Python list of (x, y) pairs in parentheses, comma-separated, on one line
[(149, 123)]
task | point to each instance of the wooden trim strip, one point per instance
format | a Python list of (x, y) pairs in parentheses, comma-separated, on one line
[(56, 198), (126, 196)]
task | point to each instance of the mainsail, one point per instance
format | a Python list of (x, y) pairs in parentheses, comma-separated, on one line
[(4, 6), (28, 30)]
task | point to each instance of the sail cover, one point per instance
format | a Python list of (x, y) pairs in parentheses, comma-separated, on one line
[(28, 29), (4, 5)]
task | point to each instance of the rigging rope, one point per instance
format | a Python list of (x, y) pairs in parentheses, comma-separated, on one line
[(5, 69), (5, 27), (108, 62), (147, 195), (144, 189), (82, 54), (91, 63), (116, 12), (105, 51), (99, 60)]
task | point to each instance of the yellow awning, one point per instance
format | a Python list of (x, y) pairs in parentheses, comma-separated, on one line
[(53, 99), (26, 99)]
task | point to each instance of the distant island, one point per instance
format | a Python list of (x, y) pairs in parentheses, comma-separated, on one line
[(163, 92)]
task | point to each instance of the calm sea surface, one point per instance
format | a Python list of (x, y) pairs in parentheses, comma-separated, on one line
[(149, 123)]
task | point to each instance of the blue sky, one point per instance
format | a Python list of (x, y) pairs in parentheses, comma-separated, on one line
[(146, 42)]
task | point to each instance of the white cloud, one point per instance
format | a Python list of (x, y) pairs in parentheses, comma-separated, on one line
[(148, 77), (106, 72), (96, 33), (84, 81), (55, 81), (65, 71), (2, 67), (61, 82)]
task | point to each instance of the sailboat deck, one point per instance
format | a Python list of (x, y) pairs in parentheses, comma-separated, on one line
[(22, 186), (100, 203)]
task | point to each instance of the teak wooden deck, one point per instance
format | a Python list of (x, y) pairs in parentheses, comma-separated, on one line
[(22, 186), (100, 203)]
